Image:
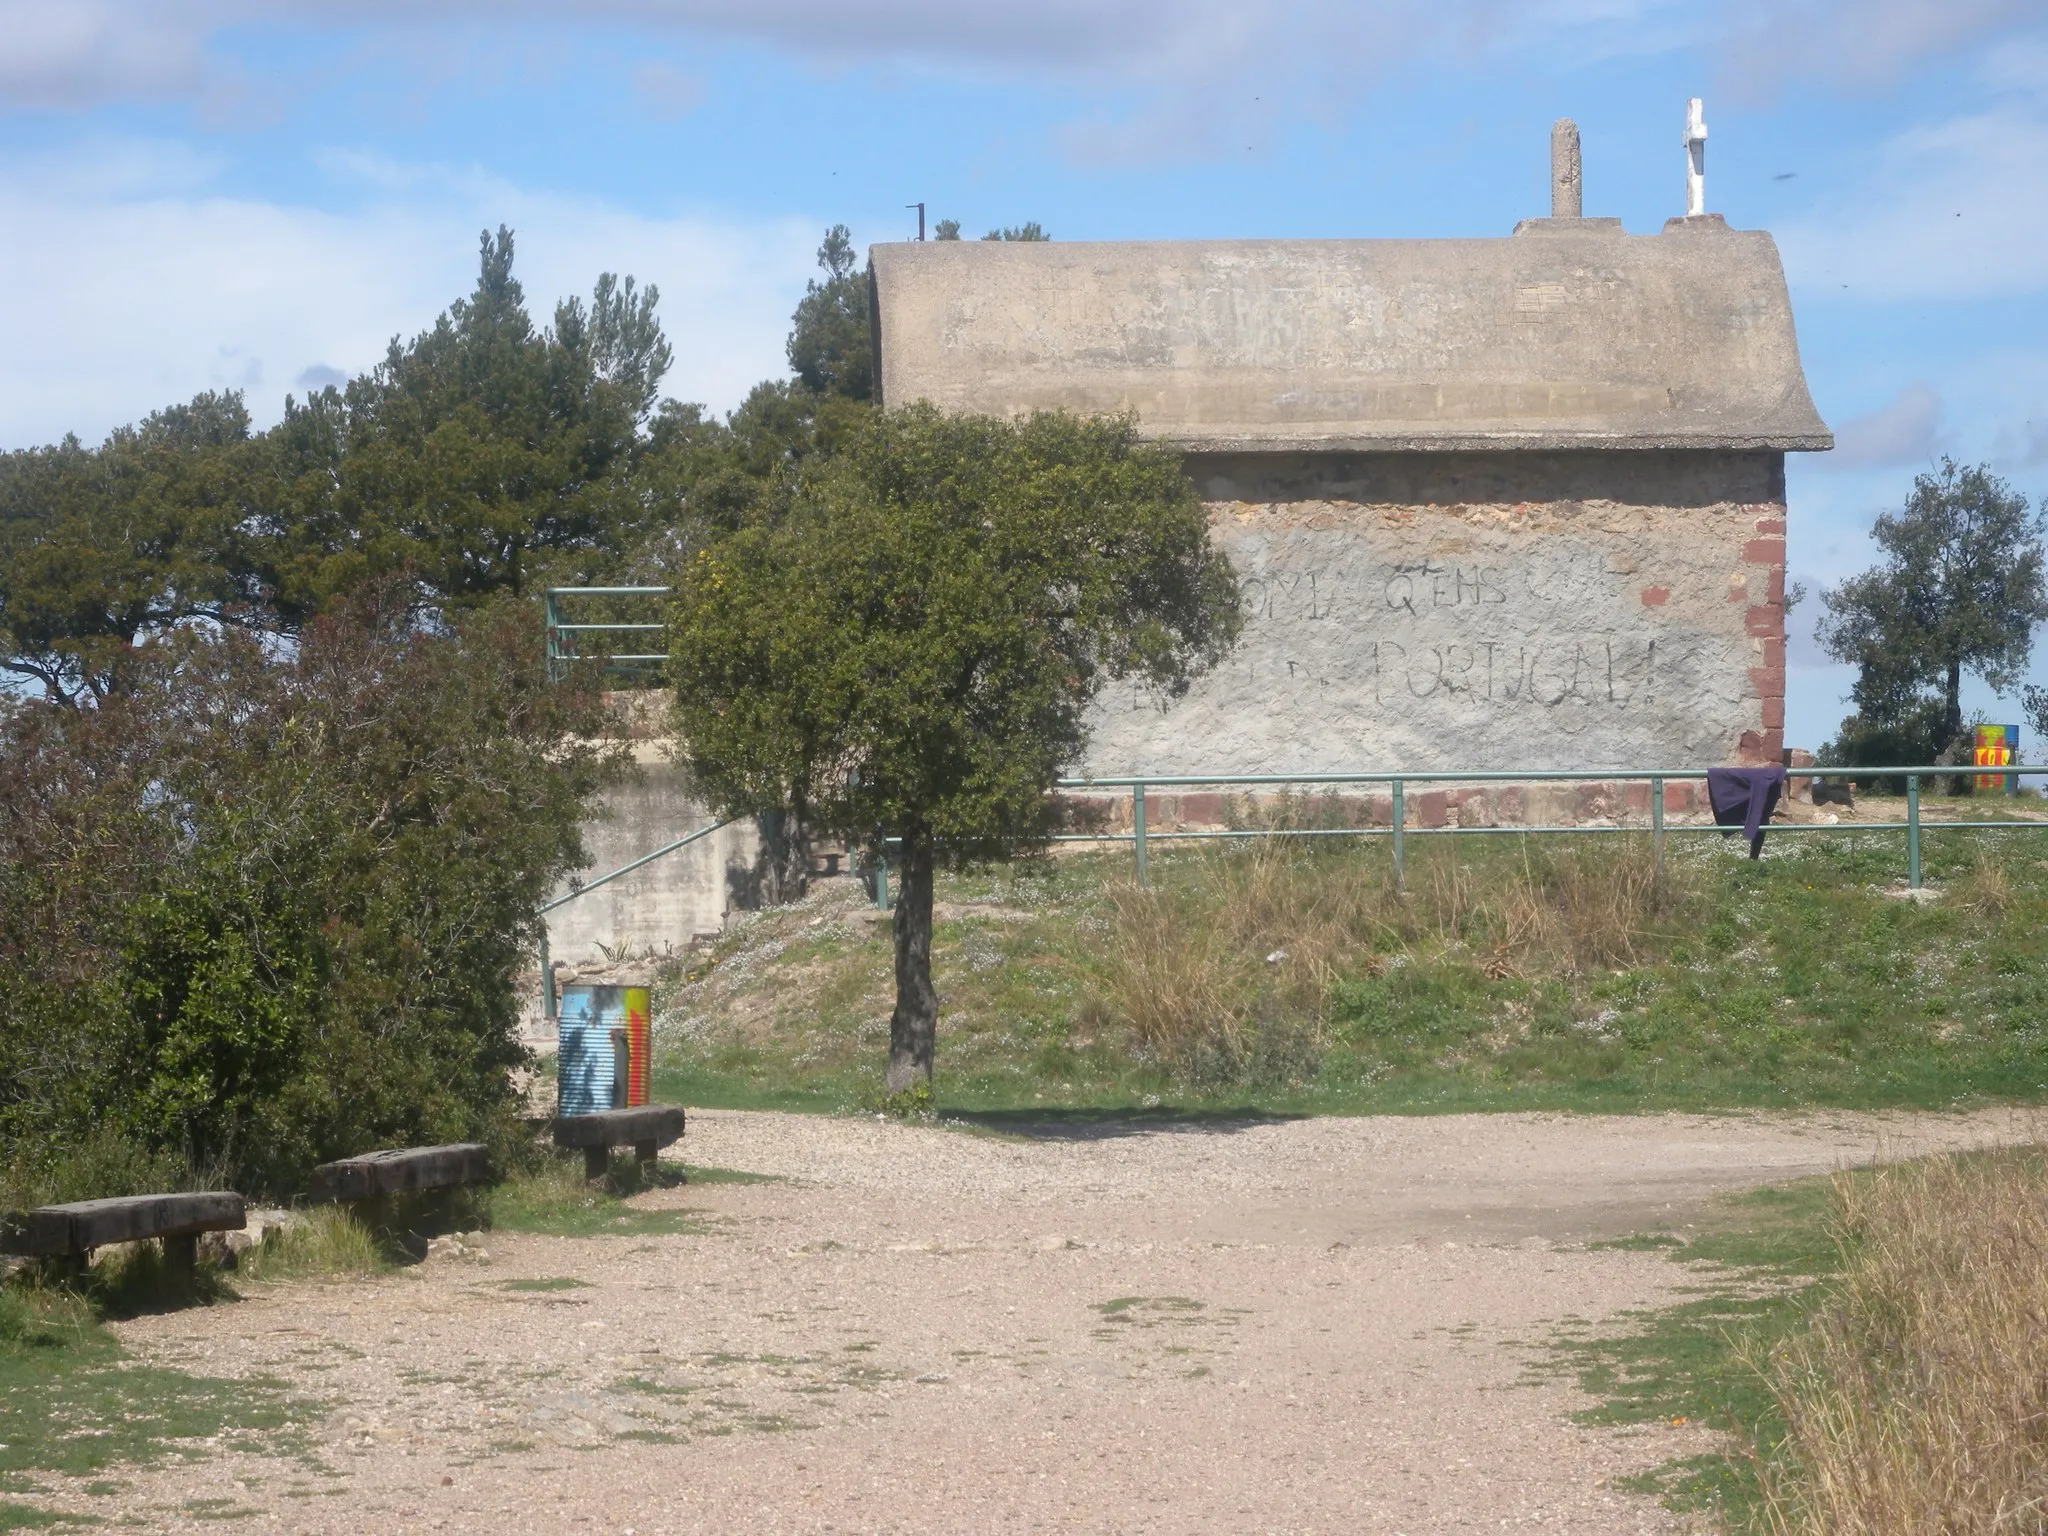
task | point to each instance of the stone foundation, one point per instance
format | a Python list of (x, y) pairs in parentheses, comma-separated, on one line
[(1427, 805)]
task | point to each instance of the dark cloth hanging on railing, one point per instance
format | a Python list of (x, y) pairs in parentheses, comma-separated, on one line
[(1745, 798)]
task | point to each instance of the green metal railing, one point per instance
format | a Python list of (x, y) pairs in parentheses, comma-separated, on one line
[(547, 974), (564, 647), (1397, 830)]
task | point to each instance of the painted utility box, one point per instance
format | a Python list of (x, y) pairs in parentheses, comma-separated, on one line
[(604, 1049), (1998, 745)]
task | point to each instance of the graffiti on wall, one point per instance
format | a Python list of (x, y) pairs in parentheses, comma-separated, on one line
[(1370, 645), (1467, 631)]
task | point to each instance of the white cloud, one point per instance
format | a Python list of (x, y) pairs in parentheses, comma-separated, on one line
[(82, 51), (1949, 210), (112, 307), (2016, 64), (1181, 73), (2024, 445), (1856, 44), (1905, 431), (671, 92)]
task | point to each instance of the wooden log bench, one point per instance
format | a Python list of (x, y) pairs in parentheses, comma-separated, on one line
[(646, 1128), (71, 1232), (406, 1171)]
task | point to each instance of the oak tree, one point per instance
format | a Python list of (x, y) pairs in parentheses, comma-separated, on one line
[(1960, 589), (907, 653)]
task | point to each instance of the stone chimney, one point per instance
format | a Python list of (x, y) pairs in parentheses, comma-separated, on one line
[(1567, 200), (1567, 190)]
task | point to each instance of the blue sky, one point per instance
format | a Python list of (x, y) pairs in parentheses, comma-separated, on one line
[(207, 193)]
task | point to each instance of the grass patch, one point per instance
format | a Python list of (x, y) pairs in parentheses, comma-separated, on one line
[(1515, 973), (327, 1242), (557, 1201), (1147, 1308), (694, 1173), (72, 1403), (1639, 1242), (1758, 1267), (20, 1517)]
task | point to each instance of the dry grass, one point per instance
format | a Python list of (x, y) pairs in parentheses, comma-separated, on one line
[(1988, 889), (1204, 964), (327, 1241), (1918, 1399)]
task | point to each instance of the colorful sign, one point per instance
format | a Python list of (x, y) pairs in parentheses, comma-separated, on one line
[(1996, 746)]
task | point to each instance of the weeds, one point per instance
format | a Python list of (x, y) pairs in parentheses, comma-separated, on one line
[(133, 1278), (556, 1199), (326, 1242), (1225, 967), (1516, 972), (104, 1165), (1987, 890), (1916, 1398), (35, 1318), (1875, 1343), (912, 1103)]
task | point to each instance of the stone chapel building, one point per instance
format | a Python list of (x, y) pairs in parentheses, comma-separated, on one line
[(1494, 503)]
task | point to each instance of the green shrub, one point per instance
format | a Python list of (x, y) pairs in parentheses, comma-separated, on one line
[(266, 906), (102, 1163)]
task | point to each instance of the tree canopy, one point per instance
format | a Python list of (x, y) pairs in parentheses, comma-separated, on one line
[(831, 350), (480, 453), (485, 455), (286, 779), (1960, 589), (489, 453), (100, 546), (908, 652)]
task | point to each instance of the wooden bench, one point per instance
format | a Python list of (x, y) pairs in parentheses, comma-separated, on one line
[(646, 1129), (73, 1231), (409, 1170)]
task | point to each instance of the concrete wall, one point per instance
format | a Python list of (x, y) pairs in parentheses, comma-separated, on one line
[(1595, 610), (660, 906)]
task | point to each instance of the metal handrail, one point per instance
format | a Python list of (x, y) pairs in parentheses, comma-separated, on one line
[(1398, 831), (1524, 775), (547, 974)]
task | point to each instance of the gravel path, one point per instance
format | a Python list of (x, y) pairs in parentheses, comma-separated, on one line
[(1296, 1326)]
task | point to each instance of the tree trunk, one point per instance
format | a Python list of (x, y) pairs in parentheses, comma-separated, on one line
[(914, 1026), (1952, 713), (785, 855)]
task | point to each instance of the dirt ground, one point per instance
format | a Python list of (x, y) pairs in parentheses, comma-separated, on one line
[(1317, 1325)]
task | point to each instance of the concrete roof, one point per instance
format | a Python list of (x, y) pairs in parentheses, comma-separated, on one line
[(1569, 334)]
